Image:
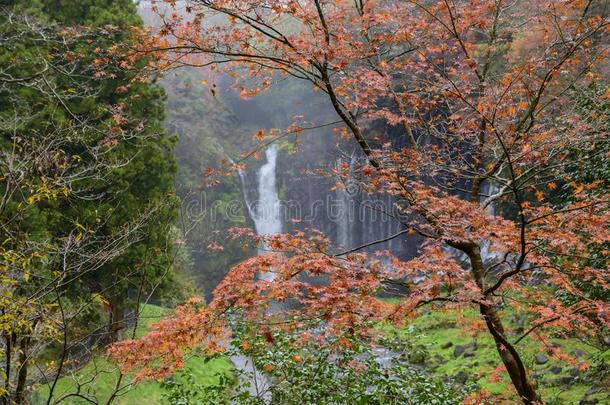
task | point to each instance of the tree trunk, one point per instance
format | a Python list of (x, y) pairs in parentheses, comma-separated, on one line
[(509, 355), (8, 350), (23, 371), (116, 318)]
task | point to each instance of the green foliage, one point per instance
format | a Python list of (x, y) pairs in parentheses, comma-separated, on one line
[(98, 378), (200, 383), (341, 371), (142, 179), (88, 202), (439, 333)]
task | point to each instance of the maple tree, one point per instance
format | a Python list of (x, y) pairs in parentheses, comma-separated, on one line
[(483, 92)]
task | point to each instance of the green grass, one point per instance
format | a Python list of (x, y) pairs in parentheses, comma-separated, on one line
[(98, 378), (431, 333)]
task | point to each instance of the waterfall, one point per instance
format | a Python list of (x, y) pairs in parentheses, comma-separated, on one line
[(486, 253), (265, 211), (491, 189), (345, 210), (267, 220)]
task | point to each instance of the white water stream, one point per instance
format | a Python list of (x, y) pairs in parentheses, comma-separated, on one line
[(265, 212), (267, 219)]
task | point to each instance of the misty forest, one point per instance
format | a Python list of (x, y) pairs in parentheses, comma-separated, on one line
[(294, 202)]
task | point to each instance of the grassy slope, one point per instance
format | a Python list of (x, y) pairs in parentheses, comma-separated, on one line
[(433, 332), (106, 375)]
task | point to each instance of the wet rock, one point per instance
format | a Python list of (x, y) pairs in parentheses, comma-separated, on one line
[(461, 349), (541, 359), (417, 357), (461, 377), (563, 380), (447, 345), (468, 354), (555, 369), (578, 353), (592, 390)]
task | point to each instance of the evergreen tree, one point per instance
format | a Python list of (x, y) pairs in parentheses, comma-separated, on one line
[(86, 191)]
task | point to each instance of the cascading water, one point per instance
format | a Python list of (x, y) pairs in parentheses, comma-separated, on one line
[(267, 219), (486, 253), (266, 212), (345, 209)]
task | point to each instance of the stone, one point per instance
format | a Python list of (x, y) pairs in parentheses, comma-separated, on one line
[(592, 390), (461, 377), (447, 345), (417, 357), (538, 375), (574, 372), (555, 369), (468, 354), (606, 340), (541, 359), (578, 353), (563, 380), (457, 352), (588, 401)]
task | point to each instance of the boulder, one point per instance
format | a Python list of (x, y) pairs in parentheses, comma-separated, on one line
[(459, 349), (555, 369), (563, 380), (461, 377), (417, 357), (538, 375), (592, 390), (578, 353), (541, 359), (447, 345)]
